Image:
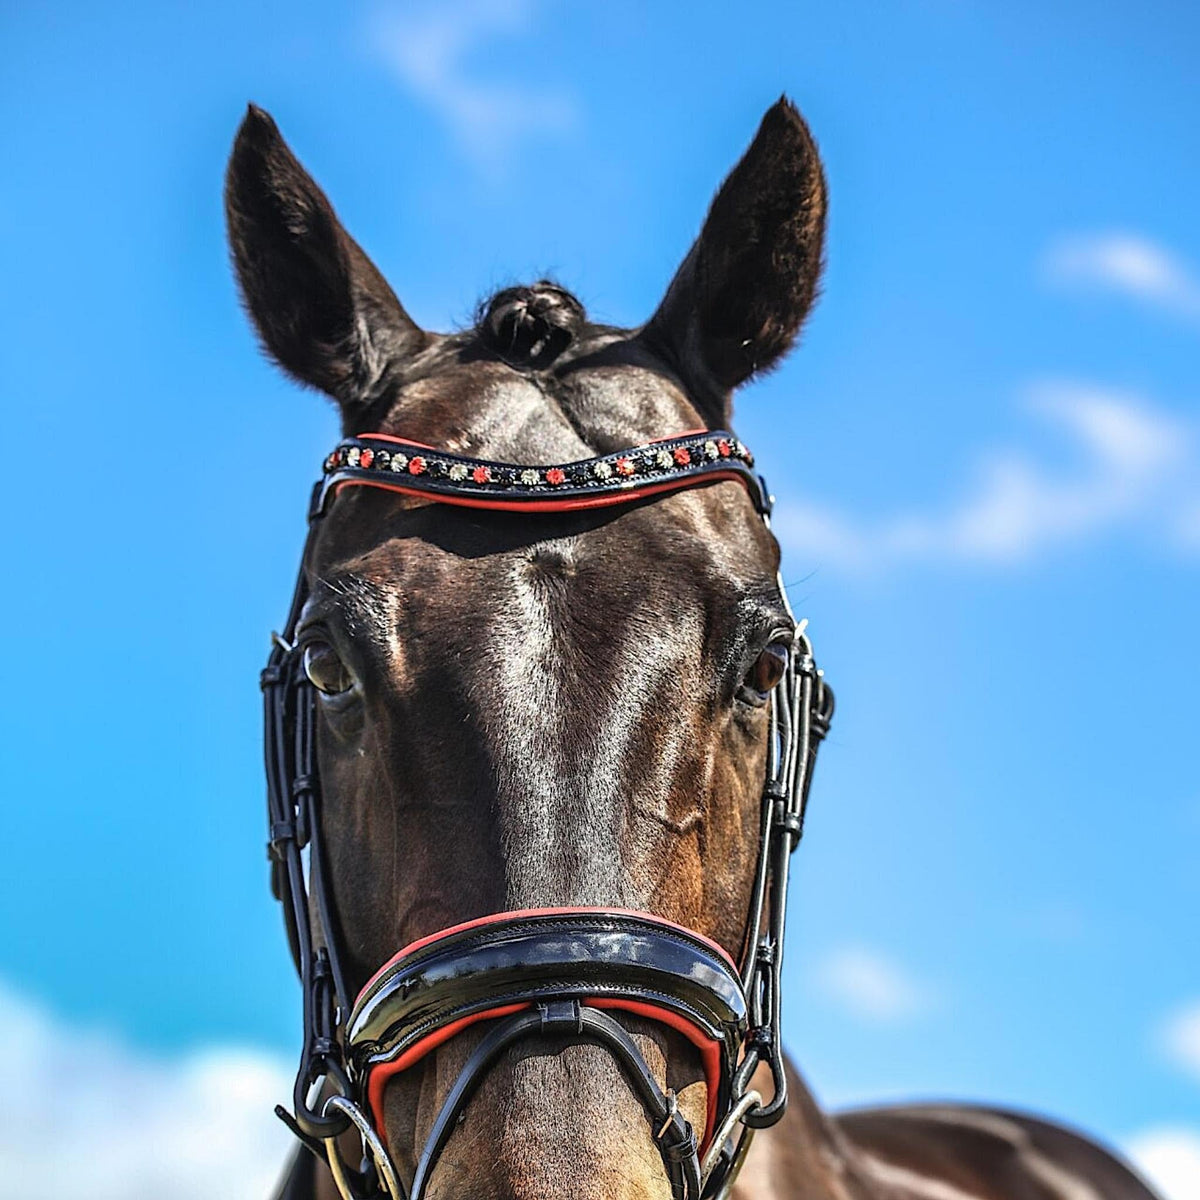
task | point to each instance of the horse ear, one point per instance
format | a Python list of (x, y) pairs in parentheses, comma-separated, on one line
[(321, 308), (737, 302)]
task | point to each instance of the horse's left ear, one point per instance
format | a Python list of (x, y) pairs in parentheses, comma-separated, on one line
[(322, 310), (737, 303)]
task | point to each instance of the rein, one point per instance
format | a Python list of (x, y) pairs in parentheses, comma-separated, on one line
[(542, 971)]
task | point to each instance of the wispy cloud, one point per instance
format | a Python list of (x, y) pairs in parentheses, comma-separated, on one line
[(431, 50), (1127, 263), (871, 987), (1169, 1158), (1132, 464), (1179, 1039), (84, 1114)]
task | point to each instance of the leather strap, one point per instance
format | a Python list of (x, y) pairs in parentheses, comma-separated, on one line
[(496, 967), (672, 1134), (516, 956), (398, 465)]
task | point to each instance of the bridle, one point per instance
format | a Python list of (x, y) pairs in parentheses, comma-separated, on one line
[(544, 971), (556, 972)]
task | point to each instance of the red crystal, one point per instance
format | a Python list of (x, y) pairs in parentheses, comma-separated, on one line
[(625, 466), (482, 475), (555, 476), (366, 458), (416, 466), (682, 456), (723, 448)]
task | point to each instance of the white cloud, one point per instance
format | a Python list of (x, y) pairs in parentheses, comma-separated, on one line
[(1134, 465), (1180, 1039), (1127, 263), (84, 1114), (1169, 1158), (430, 50), (871, 986)]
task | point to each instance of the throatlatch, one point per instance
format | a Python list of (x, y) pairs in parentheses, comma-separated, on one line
[(561, 971)]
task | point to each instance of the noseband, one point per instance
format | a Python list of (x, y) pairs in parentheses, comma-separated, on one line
[(559, 972)]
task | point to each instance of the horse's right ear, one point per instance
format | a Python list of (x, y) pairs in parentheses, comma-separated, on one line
[(321, 308)]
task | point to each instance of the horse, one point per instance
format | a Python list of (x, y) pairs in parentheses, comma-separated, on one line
[(519, 723)]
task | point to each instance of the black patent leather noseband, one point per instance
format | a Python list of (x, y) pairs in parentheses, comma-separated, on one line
[(544, 971)]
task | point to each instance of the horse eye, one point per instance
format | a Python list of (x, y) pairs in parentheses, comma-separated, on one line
[(325, 670), (764, 676)]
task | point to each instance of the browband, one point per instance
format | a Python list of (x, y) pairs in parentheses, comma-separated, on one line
[(398, 465)]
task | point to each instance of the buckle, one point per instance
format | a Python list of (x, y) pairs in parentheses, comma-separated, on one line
[(561, 1016)]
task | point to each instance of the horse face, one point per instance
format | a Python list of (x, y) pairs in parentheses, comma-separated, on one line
[(525, 711)]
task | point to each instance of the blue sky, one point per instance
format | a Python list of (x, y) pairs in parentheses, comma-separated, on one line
[(987, 457)]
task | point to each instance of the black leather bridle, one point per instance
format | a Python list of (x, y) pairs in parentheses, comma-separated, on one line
[(543, 971)]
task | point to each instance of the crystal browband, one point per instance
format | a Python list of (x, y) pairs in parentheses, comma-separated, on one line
[(395, 464)]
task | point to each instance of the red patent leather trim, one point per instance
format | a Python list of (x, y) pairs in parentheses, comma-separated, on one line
[(710, 1051), (383, 1072), (567, 504), (387, 437), (495, 918)]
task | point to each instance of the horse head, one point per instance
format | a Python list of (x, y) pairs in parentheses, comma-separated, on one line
[(522, 710)]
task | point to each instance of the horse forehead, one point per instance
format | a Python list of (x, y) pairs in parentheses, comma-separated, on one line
[(593, 403), (450, 573)]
